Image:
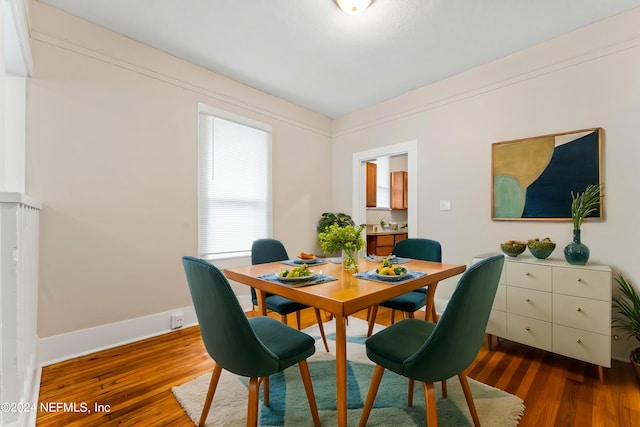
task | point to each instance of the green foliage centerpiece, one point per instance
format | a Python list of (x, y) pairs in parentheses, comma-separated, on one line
[(582, 205), (627, 319), (347, 239)]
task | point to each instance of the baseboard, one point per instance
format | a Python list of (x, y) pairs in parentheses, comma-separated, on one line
[(66, 346)]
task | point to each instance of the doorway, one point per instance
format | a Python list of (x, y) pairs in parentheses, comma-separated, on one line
[(359, 179)]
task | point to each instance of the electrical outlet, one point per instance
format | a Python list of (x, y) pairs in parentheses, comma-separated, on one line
[(176, 321)]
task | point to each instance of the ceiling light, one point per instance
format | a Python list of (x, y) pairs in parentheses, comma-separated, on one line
[(353, 7)]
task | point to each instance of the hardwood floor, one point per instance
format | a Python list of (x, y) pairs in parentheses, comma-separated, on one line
[(133, 384)]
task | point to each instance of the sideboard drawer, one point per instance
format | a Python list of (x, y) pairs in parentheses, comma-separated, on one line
[(583, 345), (583, 313), (497, 324), (500, 301), (582, 283), (525, 330), (529, 303), (530, 276)]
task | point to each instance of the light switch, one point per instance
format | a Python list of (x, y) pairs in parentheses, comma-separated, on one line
[(445, 205)]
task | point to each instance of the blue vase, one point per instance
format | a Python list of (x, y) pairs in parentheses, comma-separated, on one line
[(576, 252)]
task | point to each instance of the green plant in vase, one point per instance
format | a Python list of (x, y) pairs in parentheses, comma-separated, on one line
[(627, 319), (582, 205), (347, 239)]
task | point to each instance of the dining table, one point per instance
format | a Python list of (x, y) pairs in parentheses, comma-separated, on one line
[(344, 294)]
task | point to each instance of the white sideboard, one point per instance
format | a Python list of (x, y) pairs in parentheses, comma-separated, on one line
[(555, 306)]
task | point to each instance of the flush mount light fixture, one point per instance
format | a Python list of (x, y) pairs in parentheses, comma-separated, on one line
[(353, 7)]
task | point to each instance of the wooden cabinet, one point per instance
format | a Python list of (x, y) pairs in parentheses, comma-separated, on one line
[(382, 244), (555, 306), (372, 184), (398, 185)]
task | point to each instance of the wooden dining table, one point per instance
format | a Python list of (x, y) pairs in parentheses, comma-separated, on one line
[(343, 297)]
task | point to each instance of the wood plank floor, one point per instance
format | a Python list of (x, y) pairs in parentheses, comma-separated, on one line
[(133, 384)]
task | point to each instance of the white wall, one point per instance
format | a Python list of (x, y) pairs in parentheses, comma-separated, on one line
[(112, 154), (588, 78)]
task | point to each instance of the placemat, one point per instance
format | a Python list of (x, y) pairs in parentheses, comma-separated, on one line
[(298, 263), (371, 275), (320, 278)]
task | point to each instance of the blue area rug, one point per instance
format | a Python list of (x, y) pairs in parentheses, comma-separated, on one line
[(289, 406)]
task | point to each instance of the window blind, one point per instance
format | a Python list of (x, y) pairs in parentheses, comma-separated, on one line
[(234, 186)]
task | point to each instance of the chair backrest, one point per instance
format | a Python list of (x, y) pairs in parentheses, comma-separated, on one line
[(418, 248), (225, 330), (268, 250), (456, 339), (264, 251)]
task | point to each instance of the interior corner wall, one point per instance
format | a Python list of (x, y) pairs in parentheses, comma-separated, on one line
[(585, 79), (112, 155)]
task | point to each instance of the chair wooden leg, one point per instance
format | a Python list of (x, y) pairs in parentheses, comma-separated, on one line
[(308, 387), (430, 404), (265, 390), (321, 327), (444, 388), (410, 393), (467, 395), (371, 396), (393, 316), (215, 376), (410, 315), (298, 319), (252, 409), (283, 318), (372, 319)]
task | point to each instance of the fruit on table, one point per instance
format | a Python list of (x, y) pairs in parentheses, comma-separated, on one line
[(386, 269), (304, 255), (302, 271)]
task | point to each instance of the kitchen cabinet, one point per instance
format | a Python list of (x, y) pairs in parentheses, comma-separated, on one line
[(382, 243), (398, 185), (372, 184), (555, 306)]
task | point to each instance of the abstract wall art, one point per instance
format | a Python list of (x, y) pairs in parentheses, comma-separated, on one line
[(533, 177)]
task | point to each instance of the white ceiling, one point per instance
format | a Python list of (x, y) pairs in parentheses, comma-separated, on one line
[(314, 55)]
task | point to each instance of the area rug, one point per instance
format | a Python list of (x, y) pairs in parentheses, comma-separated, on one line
[(289, 406)]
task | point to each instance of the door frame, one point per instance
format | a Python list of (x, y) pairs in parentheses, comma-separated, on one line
[(359, 209)]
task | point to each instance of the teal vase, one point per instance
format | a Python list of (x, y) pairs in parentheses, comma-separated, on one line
[(576, 252)]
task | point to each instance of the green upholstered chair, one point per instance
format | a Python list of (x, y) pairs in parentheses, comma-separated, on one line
[(272, 250), (254, 348), (432, 352), (409, 303)]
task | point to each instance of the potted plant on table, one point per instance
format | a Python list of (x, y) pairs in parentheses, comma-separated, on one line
[(627, 305), (347, 239), (582, 205)]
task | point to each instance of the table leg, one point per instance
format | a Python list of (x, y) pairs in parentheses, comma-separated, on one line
[(341, 369), (430, 308), (262, 302)]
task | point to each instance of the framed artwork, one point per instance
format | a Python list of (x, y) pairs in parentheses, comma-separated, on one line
[(533, 177)]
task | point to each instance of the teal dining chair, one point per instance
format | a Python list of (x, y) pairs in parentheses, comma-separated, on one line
[(409, 303), (250, 347), (271, 250), (431, 352)]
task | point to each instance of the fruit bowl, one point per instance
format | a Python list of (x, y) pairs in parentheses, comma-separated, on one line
[(541, 249), (513, 248)]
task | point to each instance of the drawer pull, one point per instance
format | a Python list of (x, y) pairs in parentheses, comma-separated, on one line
[(579, 279), (527, 273), (528, 300), (527, 328), (579, 341), (579, 309)]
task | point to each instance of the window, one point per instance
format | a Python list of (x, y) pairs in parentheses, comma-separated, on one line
[(234, 188)]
